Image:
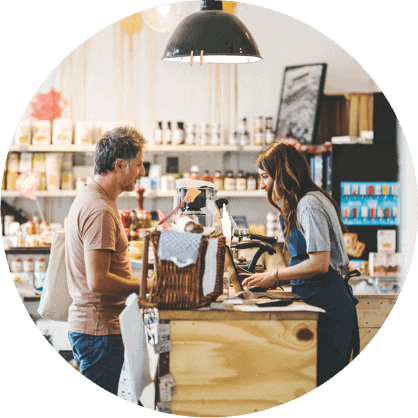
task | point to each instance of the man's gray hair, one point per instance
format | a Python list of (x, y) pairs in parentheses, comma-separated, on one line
[(120, 143)]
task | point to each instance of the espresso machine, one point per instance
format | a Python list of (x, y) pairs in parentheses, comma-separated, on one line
[(203, 209)]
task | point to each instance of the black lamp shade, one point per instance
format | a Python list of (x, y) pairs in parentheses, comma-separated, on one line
[(221, 36)]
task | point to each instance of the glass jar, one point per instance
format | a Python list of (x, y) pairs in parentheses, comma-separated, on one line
[(241, 182), (218, 180), (229, 182)]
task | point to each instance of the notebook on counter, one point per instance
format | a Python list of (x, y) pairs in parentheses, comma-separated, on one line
[(236, 283)]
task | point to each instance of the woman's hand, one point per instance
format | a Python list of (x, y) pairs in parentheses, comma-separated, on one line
[(266, 280)]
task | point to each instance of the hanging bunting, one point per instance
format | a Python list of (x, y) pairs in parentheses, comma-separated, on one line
[(229, 6), (132, 24), (48, 106)]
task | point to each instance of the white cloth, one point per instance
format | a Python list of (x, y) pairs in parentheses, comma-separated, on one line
[(209, 276), (140, 360), (55, 298)]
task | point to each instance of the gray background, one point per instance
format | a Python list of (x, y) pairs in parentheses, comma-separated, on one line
[(36, 36)]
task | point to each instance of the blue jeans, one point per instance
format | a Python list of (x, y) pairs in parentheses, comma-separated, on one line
[(100, 358)]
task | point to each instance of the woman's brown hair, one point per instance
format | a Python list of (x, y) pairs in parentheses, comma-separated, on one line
[(292, 179)]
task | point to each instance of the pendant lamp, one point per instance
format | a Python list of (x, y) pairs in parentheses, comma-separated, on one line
[(211, 36)]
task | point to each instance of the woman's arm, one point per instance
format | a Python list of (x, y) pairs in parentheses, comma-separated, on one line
[(317, 263)]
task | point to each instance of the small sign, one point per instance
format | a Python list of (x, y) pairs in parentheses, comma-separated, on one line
[(163, 347), (27, 182)]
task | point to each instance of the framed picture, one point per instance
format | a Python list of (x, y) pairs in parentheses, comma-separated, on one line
[(300, 102)]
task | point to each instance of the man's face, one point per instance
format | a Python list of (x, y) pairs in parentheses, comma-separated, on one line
[(134, 172)]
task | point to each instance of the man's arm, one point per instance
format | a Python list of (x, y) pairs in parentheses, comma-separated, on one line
[(101, 280)]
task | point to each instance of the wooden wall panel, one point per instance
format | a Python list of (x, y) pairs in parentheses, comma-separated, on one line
[(372, 313), (237, 367)]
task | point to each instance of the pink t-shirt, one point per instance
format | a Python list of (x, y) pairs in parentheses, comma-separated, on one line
[(93, 223)]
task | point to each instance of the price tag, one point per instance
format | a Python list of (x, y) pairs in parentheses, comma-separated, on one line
[(163, 347), (164, 407), (27, 182), (163, 331), (165, 394)]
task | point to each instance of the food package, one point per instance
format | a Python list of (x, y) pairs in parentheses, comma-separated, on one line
[(393, 264), (84, 133), (23, 134), (62, 132), (25, 162), (41, 132), (67, 171), (386, 241), (53, 171), (350, 241), (358, 249), (259, 229), (377, 264), (12, 170), (135, 250), (361, 265), (38, 163)]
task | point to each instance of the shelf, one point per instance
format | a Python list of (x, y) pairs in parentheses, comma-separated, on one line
[(149, 193), (53, 148)]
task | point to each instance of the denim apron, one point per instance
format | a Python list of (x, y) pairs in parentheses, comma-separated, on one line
[(338, 333)]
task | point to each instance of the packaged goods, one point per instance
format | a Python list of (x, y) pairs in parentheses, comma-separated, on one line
[(67, 172), (23, 134), (84, 133), (377, 264), (241, 181), (38, 163), (393, 264), (361, 265), (53, 171), (41, 132), (12, 170), (25, 161), (350, 241), (386, 240), (62, 132), (259, 229), (159, 134)]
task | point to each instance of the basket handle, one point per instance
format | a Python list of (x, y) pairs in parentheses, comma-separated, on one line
[(143, 286)]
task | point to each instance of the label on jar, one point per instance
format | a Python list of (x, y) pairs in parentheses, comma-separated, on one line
[(241, 184), (16, 265), (251, 184), (229, 183), (40, 265), (28, 265)]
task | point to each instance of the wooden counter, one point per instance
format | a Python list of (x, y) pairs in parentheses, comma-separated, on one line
[(228, 363), (372, 311)]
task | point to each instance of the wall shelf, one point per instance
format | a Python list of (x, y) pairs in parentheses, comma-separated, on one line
[(148, 193)]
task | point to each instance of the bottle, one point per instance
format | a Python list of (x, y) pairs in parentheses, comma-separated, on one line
[(158, 134), (194, 170), (179, 134), (241, 182), (229, 182), (204, 134), (259, 133), (206, 176), (269, 134), (251, 183), (133, 227), (218, 180), (216, 134), (244, 136), (168, 134), (190, 134), (233, 138)]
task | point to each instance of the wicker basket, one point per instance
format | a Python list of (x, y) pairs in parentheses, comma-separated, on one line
[(181, 288)]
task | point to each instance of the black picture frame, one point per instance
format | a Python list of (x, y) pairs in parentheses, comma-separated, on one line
[(300, 102)]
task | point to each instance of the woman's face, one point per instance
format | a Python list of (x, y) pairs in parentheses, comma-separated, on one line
[(266, 183)]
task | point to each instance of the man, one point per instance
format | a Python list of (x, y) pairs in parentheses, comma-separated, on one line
[(98, 265)]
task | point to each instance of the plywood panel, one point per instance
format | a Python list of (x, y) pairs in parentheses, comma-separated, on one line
[(231, 368), (366, 335), (373, 312)]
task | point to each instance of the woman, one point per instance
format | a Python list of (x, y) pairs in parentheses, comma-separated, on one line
[(310, 220)]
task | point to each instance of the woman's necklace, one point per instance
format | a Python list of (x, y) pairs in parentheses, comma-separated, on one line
[(102, 188)]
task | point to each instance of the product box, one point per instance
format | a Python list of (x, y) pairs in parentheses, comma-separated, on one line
[(62, 132), (386, 241), (377, 264), (67, 171), (25, 162), (393, 264), (84, 133), (23, 134), (53, 171), (39, 164), (361, 265), (41, 132)]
